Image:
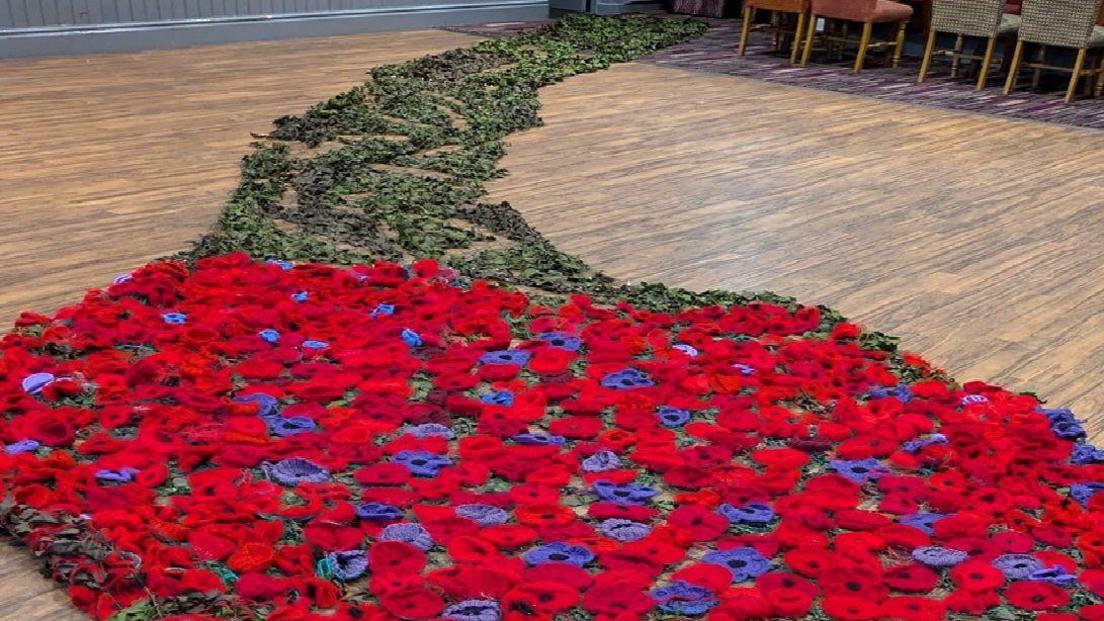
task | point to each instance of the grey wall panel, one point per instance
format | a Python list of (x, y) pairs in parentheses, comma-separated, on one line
[(15, 14), (145, 33)]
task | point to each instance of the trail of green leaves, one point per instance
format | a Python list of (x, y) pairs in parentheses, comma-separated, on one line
[(396, 168)]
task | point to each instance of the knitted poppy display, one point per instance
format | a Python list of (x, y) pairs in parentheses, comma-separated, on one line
[(250, 439)]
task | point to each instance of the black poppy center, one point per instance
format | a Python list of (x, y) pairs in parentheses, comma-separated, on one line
[(523, 607)]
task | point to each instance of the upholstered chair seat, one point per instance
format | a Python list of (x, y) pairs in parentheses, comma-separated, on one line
[(868, 13)]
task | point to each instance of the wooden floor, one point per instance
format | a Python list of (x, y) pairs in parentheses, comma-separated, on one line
[(975, 238), (109, 161)]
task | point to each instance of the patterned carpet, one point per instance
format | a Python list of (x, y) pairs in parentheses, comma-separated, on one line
[(713, 53)]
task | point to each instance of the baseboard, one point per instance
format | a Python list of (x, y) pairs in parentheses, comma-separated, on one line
[(109, 38)]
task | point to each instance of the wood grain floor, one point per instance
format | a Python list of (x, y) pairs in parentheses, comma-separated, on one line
[(109, 161), (973, 237)]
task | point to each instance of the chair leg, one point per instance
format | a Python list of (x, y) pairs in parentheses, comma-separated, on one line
[(929, 49), (1098, 86), (988, 60), (899, 46), (1077, 65), (956, 57), (776, 25), (749, 16), (864, 42), (809, 39), (1010, 83), (799, 34), (1040, 56), (1006, 55)]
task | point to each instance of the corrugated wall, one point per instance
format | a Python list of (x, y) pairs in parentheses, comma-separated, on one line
[(54, 13), (50, 27)]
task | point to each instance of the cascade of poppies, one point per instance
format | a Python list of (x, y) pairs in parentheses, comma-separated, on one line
[(260, 439)]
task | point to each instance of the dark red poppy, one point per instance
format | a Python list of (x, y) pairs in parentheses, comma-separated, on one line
[(851, 608), (811, 563), (562, 573), (252, 557), (386, 557), (1036, 595), (613, 599), (695, 523), (462, 582), (977, 576), (911, 578), (540, 598), (743, 604), (509, 536), (858, 581), (416, 602), (469, 549), (911, 608), (1092, 612)]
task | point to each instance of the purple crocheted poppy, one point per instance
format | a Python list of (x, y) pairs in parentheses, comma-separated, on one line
[(859, 470), (473, 610), (627, 494), (559, 552), (602, 461), (627, 379), (22, 446), (938, 556), (505, 356), (422, 463), (484, 515), (624, 530), (743, 563), (408, 532), (751, 513), (296, 470), (347, 565), (35, 382)]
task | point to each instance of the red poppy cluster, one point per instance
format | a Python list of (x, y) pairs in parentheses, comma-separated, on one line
[(257, 439)]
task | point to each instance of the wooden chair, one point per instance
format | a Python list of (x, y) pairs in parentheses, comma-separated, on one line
[(798, 7), (866, 12), (1059, 23), (968, 18)]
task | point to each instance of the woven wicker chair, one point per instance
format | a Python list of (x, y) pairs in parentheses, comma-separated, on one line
[(866, 12), (968, 18), (798, 7), (1059, 23)]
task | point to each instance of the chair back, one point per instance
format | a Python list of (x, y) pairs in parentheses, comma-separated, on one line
[(973, 18), (854, 10), (786, 6), (1064, 23)]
